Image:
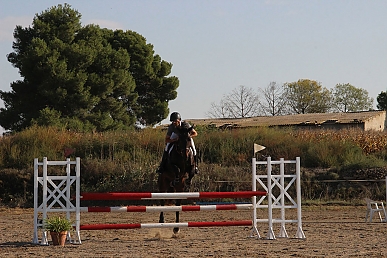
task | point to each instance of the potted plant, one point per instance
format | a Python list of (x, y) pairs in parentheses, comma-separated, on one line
[(58, 227)]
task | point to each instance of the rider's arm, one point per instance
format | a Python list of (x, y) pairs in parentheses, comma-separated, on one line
[(170, 136), (168, 139), (193, 133)]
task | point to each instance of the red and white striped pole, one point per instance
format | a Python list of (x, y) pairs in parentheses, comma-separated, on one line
[(167, 225), (183, 195), (169, 208)]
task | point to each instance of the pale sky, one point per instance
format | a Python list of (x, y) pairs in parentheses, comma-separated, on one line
[(216, 46)]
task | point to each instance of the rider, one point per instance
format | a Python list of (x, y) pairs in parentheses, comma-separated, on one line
[(173, 128)]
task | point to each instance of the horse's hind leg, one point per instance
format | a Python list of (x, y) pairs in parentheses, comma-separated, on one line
[(176, 230), (161, 219)]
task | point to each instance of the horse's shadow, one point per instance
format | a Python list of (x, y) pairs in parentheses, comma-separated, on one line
[(18, 244)]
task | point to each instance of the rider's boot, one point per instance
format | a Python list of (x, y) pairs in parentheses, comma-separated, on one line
[(161, 168)]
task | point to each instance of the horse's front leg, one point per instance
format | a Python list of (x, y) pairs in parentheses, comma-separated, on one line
[(176, 181), (161, 219), (176, 230)]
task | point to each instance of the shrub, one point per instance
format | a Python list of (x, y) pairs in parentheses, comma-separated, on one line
[(57, 224), (127, 160)]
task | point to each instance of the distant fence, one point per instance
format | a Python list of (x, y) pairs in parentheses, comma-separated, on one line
[(328, 189)]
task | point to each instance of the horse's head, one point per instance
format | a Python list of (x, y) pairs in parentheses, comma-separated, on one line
[(184, 141)]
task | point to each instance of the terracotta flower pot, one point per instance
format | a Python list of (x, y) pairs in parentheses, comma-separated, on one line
[(58, 238)]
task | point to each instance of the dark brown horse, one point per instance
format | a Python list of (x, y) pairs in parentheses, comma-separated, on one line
[(179, 170)]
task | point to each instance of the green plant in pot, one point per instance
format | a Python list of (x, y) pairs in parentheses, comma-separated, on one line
[(58, 227)]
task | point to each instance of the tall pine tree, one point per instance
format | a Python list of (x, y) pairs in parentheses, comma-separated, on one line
[(84, 78)]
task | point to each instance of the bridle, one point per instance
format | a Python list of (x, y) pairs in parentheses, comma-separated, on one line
[(183, 145)]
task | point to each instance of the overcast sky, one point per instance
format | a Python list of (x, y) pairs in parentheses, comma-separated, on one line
[(216, 46)]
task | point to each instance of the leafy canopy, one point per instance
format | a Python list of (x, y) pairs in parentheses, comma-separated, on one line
[(348, 98), (307, 96), (84, 77), (382, 100)]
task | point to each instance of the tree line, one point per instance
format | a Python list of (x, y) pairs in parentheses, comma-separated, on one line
[(87, 78), (300, 97)]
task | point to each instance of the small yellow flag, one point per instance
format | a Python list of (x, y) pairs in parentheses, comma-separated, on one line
[(258, 147)]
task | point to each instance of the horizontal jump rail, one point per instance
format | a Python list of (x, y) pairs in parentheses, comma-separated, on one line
[(167, 225), (155, 196), (169, 208)]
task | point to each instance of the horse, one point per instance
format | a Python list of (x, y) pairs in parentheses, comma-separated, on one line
[(179, 170)]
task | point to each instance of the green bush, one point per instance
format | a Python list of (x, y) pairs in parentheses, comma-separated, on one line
[(57, 224)]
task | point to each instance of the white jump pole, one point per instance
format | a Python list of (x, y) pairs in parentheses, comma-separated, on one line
[(36, 185), (44, 200), (254, 232), (256, 148), (78, 199), (270, 232), (300, 232), (283, 232)]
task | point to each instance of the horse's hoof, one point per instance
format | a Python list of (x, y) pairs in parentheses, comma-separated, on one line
[(176, 230)]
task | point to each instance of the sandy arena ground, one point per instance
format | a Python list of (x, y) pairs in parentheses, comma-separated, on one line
[(330, 232)]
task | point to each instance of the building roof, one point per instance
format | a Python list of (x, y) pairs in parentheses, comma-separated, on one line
[(288, 120)]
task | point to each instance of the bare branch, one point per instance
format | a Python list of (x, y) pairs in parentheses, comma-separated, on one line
[(274, 100), (241, 102)]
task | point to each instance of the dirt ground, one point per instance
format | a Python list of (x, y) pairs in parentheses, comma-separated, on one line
[(330, 232)]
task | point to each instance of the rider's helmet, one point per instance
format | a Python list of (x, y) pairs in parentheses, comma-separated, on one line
[(174, 116)]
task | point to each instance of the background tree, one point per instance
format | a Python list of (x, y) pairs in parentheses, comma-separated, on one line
[(219, 110), (84, 77), (150, 73), (273, 100), (348, 98), (307, 96), (382, 100), (241, 102)]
